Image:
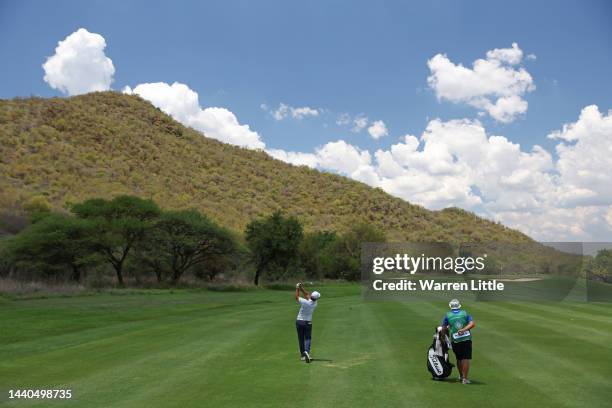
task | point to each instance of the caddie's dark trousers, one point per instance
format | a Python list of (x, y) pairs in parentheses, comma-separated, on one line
[(304, 332)]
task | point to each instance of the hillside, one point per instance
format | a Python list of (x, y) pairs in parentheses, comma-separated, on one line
[(64, 150)]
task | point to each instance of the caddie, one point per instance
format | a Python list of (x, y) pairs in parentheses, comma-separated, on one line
[(459, 323)]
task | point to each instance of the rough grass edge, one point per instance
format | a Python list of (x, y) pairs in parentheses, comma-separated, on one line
[(22, 290)]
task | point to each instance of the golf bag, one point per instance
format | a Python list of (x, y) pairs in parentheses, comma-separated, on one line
[(437, 356)]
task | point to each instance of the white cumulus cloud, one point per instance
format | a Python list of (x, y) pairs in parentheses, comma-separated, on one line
[(295, 158), (79, 64), (378, 129), (342, 157), (182, 103), (495, 85), (585, 158)]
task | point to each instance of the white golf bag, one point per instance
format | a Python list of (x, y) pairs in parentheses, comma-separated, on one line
[(437, 356)]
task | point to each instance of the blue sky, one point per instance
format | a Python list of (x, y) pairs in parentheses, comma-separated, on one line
[(337, 57)]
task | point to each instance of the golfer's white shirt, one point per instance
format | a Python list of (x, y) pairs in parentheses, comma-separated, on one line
[(306, 309)]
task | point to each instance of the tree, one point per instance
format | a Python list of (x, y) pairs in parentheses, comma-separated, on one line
[(601, 266), (147, 257), (346, 254), (273, 240), (213, 266), (54, 243), (6, 261), (121, 223), (188, 238), (314, 252)]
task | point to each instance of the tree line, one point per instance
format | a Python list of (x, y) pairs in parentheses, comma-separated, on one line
[(132, 234)]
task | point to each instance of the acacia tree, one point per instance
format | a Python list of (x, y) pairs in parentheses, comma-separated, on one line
[(55, 242), (345, 254), (120, 224), (148, 257), (273, 240), (314, 252), (188, 238)]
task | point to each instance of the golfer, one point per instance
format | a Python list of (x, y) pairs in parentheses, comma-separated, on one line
[(459, 322), (308, 303)]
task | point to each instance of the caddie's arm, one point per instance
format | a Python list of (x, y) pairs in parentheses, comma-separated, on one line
[(467, 327)]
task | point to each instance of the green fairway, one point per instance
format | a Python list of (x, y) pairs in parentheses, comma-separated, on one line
[(237, 349)]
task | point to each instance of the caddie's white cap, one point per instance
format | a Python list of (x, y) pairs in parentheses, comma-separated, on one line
[(315, 295), (454, 304)]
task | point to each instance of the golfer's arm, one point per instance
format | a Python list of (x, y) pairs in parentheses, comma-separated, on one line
[(297, 295), (306, 294)]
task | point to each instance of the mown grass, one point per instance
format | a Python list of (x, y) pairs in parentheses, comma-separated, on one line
[(200, 348)]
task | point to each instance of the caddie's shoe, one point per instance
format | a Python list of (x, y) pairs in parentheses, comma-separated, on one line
[(307, 357), (465, 381)]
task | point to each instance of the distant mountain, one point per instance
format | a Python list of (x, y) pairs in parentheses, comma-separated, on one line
[(64, 150)]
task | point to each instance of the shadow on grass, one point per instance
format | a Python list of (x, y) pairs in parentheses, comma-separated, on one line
[(456, 381), (327, 360)]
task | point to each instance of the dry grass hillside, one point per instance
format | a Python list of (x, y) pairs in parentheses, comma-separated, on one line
[(64, 150)]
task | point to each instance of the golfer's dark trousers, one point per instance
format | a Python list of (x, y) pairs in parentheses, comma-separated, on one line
[(304, 331)]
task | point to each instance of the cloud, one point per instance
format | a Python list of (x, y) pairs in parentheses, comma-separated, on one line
[(585, 158), (280, 113), (343, 119), (511, 56), (608, 217), (495, 85), (304, 111), (378, 129), (456, 163), (359, 123), (79, 64), (342, 157), (182, 103), (506, 108), (284, 111), (295, 158), (338, 156)]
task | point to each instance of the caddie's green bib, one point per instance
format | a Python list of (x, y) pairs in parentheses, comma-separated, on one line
[(457, 321)]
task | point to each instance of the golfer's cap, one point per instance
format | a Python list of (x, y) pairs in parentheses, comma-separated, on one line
[(315, 295), (454, 304)]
